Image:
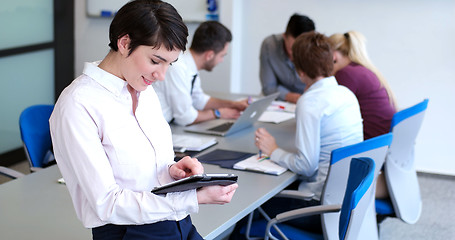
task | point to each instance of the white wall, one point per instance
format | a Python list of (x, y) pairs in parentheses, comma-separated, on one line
[(410, 41)]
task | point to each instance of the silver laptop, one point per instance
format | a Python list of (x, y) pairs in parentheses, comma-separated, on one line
[(224, 127)]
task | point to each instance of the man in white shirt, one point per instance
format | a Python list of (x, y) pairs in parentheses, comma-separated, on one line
[(182, 99)]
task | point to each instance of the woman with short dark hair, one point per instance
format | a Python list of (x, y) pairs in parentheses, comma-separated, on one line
[(111, 142)]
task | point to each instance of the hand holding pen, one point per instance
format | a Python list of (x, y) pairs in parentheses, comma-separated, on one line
[(265, 142), (262, 157)]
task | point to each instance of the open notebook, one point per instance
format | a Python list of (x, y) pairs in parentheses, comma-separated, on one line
[(260, 164), (241, 161)]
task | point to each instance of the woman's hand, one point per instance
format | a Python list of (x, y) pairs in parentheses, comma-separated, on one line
[(265, 142), (186, 167), (216, 194)]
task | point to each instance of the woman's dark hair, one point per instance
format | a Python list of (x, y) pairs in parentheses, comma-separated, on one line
[(210, 35), (150, 23), (299, 24), (312, 54)]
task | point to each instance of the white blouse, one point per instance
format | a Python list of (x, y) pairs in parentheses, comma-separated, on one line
[(111, 158), (327, 117)]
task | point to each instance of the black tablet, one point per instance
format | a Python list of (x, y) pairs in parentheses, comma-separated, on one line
[(197, 181)]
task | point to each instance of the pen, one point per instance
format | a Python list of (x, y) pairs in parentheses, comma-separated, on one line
[(279, 106), (260, 154), (250, 100)]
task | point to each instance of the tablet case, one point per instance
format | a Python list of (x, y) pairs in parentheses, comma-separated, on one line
[(195, 182), (224, 158)]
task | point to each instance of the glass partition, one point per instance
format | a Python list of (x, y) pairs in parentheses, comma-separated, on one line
[(25, 22), (25, 79)]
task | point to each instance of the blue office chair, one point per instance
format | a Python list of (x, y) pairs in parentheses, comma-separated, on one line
[(358, 196), (334, 190), (35, 135), (375, 148), (401, 178)]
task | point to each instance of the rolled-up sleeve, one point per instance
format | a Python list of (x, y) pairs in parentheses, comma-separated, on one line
[(306, 161)]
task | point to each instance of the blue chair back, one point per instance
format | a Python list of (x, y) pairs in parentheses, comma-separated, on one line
[(399, 169), (35, 133), (358, 197), (334, 189)]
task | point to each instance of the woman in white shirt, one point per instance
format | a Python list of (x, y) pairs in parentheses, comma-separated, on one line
[(111, 142), (327, 117)]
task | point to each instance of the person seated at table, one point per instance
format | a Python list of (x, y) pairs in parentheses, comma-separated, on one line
[(327, 117), (353, 69), (111, 142), (277, 72), (183, 101)]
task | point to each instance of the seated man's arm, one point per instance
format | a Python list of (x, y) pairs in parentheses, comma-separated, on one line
[(215, 103), (269, 78), (228, 109)]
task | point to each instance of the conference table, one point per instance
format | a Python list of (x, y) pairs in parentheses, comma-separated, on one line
[(254, 188), (37, 207)]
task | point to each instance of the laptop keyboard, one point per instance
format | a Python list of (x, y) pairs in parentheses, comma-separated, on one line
[(222, 127)]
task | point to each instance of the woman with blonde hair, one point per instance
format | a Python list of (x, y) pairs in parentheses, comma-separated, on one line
[(353, 69)]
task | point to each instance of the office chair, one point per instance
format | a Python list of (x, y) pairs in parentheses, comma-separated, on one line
[(358, 197), (35, 135), (8, 172), (401, 178), (335, 186)]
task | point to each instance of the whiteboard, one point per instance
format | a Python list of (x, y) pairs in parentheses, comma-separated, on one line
[(190, 10)]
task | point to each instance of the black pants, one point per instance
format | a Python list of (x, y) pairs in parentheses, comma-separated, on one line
[(165, 230)]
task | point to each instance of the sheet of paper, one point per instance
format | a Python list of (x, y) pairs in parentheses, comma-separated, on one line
[(186, 142), (275, 116), (282, 106)]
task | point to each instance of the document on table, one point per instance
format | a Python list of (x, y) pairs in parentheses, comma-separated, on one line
[(282, 106), (260, 164), (187, 142), (278, 105), (275, 116), (278, 111)]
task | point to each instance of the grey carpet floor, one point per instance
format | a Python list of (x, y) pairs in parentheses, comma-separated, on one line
[(437, 220)]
